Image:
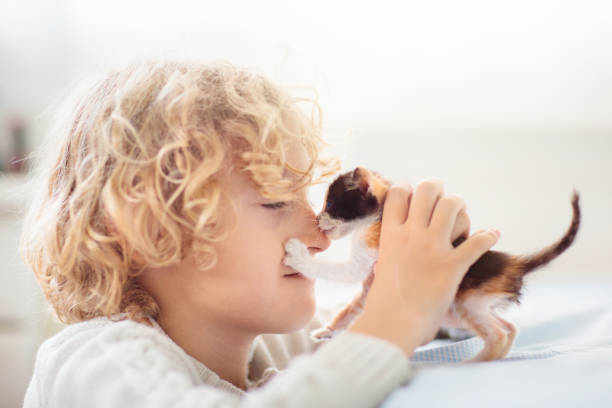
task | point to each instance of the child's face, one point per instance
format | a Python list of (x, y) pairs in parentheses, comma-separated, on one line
[(248, 290), (250, 286)]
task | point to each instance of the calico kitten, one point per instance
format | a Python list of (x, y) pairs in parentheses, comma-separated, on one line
[(354, 204)]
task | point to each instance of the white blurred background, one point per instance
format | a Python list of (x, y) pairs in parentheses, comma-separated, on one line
[(510, 103)]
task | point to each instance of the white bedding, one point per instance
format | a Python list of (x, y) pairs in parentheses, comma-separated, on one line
[(562, 357)]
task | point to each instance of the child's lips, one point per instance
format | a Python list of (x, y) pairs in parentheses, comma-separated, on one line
[(298, 276), (295, 275)]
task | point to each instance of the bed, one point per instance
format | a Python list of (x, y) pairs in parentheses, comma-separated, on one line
[(562, 357)]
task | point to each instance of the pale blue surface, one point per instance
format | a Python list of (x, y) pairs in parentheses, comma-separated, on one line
[(562, 357)]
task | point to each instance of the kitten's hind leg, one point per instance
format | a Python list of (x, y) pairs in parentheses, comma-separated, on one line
[(511, 329), (478, 316), (494, 336)]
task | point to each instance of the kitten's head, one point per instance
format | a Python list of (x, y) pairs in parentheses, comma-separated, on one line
[(354, 200)]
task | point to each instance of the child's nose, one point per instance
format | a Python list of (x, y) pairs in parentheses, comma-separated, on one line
[(321, 244), (310, 233), (324, 241), (318, 240)]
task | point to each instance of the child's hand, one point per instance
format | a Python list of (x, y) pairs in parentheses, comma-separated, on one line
[(418, 270)]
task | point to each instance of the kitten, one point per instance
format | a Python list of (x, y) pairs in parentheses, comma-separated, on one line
[(354, 204)]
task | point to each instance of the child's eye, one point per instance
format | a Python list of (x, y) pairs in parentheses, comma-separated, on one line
[(275, 206)]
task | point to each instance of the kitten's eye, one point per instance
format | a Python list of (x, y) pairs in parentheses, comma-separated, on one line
[(275, 206)]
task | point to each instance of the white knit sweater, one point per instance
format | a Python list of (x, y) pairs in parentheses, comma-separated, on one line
[(106, 363)]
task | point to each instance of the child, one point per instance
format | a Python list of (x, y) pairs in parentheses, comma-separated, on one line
[(168, 193)]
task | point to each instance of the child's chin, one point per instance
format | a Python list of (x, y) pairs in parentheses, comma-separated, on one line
[(298, 320)]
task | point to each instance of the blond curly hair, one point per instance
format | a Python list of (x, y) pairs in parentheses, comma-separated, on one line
[(130, 176)]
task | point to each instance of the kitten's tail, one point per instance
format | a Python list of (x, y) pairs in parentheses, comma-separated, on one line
[(528, 263)]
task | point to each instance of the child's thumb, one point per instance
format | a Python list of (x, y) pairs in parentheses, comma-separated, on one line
[(479, 243)]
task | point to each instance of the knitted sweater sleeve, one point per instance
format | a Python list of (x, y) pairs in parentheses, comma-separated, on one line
[(130, 365)]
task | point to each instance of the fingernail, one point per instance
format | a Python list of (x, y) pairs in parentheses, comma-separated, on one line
[(495, 231)]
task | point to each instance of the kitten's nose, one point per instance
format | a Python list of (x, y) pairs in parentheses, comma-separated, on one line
[(323, 223)]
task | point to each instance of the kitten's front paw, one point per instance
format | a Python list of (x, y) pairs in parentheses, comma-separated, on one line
[(297, 255)]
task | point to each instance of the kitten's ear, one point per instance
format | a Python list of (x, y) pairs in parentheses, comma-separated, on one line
[(364, 187), (361, 179)]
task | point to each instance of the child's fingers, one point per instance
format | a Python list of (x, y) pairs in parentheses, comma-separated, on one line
[(397, 203), (476, 245), (445, 215), (426, 194), (462, 226)]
